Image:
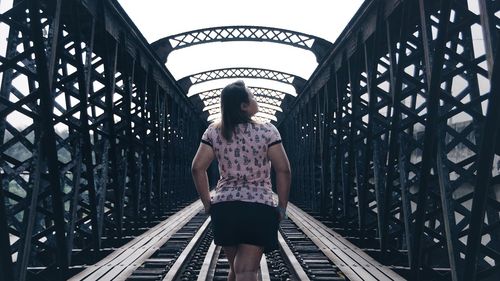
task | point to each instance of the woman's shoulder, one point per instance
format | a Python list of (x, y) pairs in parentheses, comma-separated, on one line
[(214, 126), (211, 130), (267, 126), (259, 126)]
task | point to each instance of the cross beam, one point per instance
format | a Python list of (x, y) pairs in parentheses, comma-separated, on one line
[(242, 72), (164, 46)]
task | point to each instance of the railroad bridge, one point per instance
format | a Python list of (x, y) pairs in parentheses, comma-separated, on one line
[(393, 143)]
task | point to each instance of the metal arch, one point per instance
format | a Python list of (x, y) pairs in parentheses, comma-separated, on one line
[(265, 97), (270, 92), (215, 105), (262, 119), (260, 91), (320, 47), (265, 110), (268, 98), (242, 72), (259, 99), (262, 95), (260, 115)]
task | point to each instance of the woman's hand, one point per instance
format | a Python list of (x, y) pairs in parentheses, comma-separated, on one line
[(282, 213), (207, 207)]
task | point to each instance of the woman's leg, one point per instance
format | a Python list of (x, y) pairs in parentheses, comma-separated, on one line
[(230, 252), (246, 262)]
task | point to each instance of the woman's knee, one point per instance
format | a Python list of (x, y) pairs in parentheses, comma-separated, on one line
[(245, 267), (247, 261), (241, 270), (246, 276), (245, 271)]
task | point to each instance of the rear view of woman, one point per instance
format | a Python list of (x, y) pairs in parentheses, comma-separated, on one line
[(245, 216)]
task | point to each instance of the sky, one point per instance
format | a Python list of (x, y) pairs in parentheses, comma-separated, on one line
[(160, 18), (322, 18)]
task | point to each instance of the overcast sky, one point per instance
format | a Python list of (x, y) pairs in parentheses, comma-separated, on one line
[(323, 18), (159, 18)]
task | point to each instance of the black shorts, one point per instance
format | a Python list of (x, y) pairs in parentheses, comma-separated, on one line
[(238, 222)]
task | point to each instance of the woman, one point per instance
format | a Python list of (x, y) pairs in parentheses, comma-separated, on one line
[(245, 216)]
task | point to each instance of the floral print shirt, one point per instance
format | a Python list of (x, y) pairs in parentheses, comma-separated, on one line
[(243, 163)]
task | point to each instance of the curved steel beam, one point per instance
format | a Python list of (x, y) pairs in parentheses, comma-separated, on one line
[(270, 100), (270, 92), (242, 72), (261, 119), (265, 97), (260, 100), (263, 110), (261, 91), (258, 114), (262, 95), (216, 105), (320, 47)]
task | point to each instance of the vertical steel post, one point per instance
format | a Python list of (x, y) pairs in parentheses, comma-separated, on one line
[(434, 60), (45, 74), (84, 81), (484, 164), (6, 264)]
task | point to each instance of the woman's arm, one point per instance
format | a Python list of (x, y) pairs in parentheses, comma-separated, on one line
[(281, 166), (201, 162)]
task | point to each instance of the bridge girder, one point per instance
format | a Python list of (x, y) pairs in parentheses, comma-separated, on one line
[(318, 46), (266, 105), (265, 110), (258, 115), (265, 97), (242, 72), (260, 100)]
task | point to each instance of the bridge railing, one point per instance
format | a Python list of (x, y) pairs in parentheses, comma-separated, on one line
[(95, 135), (395, 137)]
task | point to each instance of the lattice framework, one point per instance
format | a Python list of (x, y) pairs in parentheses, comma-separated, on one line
[(89, 135), (320, 47), (408, 116), (266, 98), (242, 72)]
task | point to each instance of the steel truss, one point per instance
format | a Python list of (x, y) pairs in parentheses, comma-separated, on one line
[(397, 147), (268, 98), (242, 72), (273, 100), (264, 110), (320, 47), (261, 100), (90, 126)]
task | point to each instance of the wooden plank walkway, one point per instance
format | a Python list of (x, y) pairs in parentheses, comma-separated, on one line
[(124, 260), (351, 260)]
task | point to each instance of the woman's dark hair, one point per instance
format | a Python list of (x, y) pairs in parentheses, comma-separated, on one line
[(231, 98)]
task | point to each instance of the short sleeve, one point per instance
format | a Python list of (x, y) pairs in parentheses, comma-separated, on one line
[(274, 136), (206, 138)]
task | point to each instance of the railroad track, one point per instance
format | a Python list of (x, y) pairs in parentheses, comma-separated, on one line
[(182, 249), (191, 255)]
